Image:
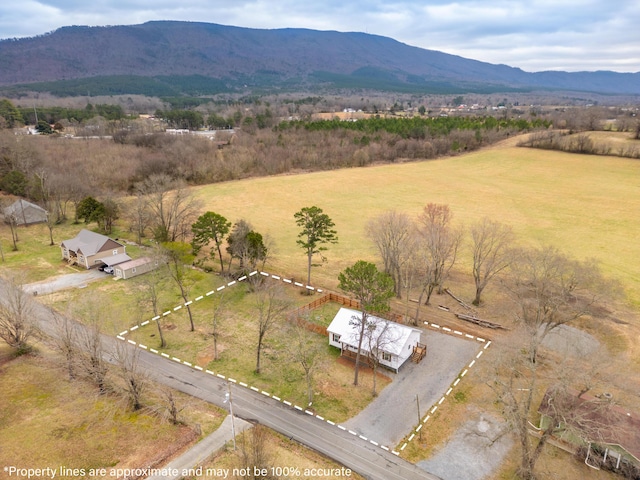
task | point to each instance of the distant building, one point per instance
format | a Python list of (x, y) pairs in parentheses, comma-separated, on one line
[(25, 213)]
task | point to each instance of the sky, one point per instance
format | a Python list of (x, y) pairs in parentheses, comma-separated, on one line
[(535, 35)]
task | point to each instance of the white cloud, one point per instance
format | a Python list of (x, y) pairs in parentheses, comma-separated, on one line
[(530, 34)]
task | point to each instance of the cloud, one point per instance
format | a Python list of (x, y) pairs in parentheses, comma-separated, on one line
[(531, 34)]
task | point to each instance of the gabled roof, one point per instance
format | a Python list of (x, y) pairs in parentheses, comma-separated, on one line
[(396, 335), (88, 242), (26, 212)]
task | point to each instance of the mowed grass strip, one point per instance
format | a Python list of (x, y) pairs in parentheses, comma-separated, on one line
[(587, 206)]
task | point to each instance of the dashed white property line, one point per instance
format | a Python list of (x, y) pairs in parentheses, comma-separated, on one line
[(308, 412)]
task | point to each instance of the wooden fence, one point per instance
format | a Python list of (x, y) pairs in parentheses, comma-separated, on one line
[(297, 316)]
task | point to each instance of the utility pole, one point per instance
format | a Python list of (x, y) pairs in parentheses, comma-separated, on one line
[(233, 424), (419, 416)]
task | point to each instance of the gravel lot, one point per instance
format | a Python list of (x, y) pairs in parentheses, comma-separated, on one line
[(473, 452), (62, 282), (394, 413)]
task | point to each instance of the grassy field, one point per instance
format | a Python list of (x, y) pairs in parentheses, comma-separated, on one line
[(334, 395), (588, 206), (48, 421)]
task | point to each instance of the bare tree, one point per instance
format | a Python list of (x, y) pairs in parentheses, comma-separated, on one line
[(255, 454), (135, 381), (441, 242), (548, 289), (306, 353), (66, 340), (17, 324), (492, 252), (518, 382), (11, 219), (391, 232), (150, 295), (271, 305), (219, 309), (380, 337), (172, 207), (170, 408), (178, 255), (139, 215), (92, 358)]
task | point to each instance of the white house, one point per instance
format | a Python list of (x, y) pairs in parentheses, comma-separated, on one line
[(393, 342)]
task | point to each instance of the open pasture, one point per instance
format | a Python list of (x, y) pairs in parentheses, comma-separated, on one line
[(587, 206)]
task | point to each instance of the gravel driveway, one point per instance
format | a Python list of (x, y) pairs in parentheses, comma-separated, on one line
[(474, 452), (394, 413), (62, 282)]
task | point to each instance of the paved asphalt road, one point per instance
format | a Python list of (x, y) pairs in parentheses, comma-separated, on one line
[(359, 455)]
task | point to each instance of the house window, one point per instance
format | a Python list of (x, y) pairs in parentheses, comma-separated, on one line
[(336, 337), (386, 357), (133, 270), (115, 252)]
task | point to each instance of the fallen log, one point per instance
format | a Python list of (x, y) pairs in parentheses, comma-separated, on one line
[(479, 321)]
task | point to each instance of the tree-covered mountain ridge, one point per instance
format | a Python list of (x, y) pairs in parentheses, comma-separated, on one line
[(224, 58)]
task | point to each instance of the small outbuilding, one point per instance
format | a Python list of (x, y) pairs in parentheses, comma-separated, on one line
[(22, 212), (136, 267), (392, 342)]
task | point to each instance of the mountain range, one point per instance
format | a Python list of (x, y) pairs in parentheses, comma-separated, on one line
[(178, 58)]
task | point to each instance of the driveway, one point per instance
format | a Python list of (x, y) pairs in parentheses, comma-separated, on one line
[(474, 452), (394, 413), (62, 282)]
